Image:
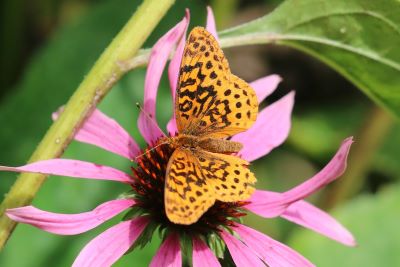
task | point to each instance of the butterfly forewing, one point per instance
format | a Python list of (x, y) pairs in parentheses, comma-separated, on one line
[(210, 100), (187, 193)]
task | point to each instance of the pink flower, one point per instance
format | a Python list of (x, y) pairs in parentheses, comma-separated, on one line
[(247, 246)]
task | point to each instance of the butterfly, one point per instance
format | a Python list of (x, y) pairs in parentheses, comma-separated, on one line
[(211, 105)]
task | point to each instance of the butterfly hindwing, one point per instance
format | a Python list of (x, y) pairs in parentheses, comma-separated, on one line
[(210, 100), (187, 193), (228, 175)]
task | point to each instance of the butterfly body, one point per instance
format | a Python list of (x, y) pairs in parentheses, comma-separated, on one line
[(191, 142), (211, 105)]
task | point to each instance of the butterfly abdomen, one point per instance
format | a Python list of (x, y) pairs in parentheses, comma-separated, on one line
[(217, 145)]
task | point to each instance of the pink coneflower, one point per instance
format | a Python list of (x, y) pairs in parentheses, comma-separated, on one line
[(220, 226)]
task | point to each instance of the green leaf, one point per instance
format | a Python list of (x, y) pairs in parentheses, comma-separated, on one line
[(374, 222), (359, 38)]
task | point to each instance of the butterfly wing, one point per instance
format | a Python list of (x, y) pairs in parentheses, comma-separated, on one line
[(210, 100), (227, 175), (187, 193)]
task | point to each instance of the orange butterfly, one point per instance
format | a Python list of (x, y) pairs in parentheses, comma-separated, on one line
[(211, 105)]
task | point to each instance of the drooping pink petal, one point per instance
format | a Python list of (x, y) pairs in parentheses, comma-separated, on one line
[(173, 73), (169, 254), (104, 132), (69, 224), (175, 64), (202, 255), (274, 253), (148, 127), (311, 217), (334, 169), (211, 26), (265, 86), (241, 254), (109, 246), (269, 131), (268, 204), (159, 55), (72, 168)]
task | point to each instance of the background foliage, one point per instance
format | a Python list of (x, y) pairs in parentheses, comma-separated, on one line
[(48, 47)]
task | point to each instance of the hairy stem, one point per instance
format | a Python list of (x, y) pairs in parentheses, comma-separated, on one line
[(107, 70)]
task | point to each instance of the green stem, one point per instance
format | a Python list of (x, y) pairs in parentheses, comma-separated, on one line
[(104, 74), (369, 140), (142, 57)]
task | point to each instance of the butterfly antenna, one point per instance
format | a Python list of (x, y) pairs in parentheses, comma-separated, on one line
[(149, 117), (144, 112), (149, 150)]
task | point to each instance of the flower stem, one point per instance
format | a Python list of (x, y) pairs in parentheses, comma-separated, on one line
[(107, 70)]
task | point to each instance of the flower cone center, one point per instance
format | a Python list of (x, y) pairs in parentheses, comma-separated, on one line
[(148, 189)]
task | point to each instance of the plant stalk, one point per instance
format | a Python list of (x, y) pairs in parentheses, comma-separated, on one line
[(107, 70)]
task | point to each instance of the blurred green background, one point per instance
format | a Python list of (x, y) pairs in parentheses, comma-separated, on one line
[(49, 45)]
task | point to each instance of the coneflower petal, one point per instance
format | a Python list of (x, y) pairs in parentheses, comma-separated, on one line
[(160, 52), (169, 253), (265, 86), (268, 204), (311, 217), (73, 168), (69, 224), (242, 255), (173, 73), (109, 246), (269, 131), (274, 253), (210, 24), (106, 133), (202, 255)]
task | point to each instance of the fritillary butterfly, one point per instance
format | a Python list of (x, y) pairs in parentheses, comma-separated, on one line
[(211, 105)]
